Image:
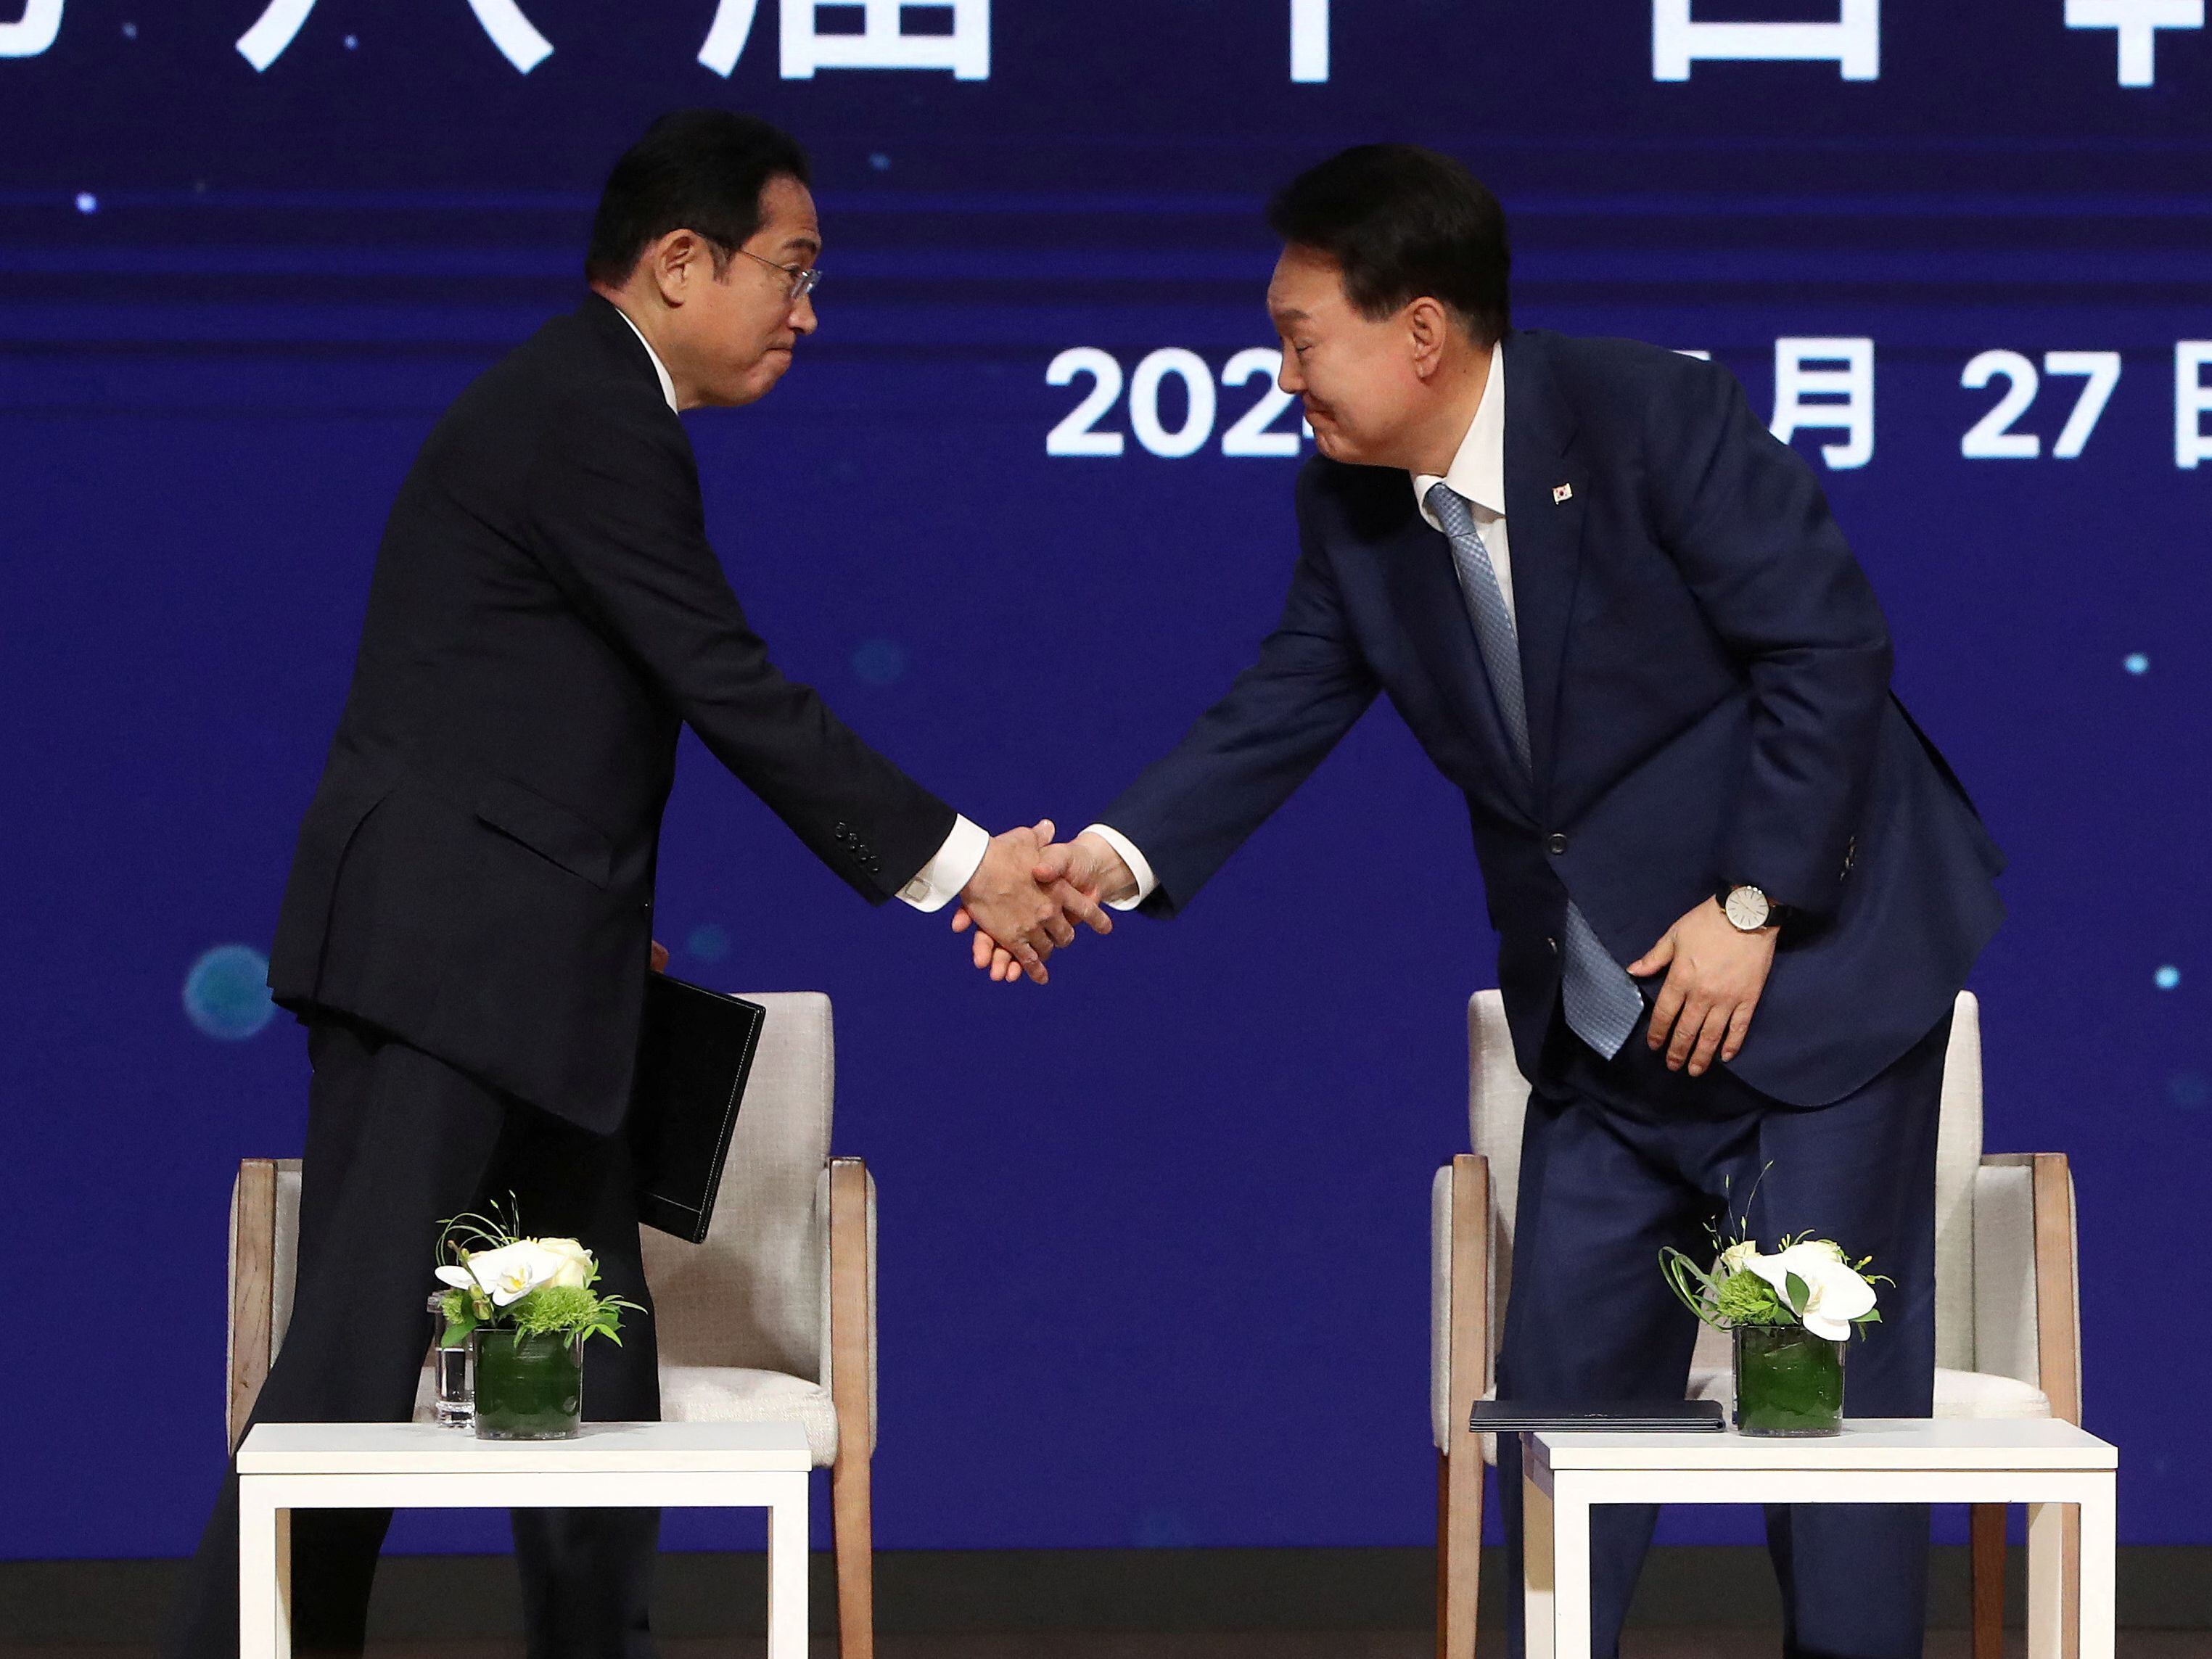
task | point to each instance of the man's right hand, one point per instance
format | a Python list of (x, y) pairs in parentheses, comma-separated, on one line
[(1088, 868), (1020, 917)]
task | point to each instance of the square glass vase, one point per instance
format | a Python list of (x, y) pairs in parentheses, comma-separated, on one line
[(1787, 1382), (528, 1386)]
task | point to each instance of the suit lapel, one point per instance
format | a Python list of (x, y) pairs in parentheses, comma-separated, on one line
[(1546, 533)]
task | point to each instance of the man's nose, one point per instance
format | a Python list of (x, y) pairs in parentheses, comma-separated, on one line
[(802, 318)]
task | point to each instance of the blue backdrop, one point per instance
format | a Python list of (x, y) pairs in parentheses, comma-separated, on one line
[(1154, 1257)]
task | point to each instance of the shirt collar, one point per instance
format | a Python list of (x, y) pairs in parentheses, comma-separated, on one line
[(1478, 471), (660, 369)]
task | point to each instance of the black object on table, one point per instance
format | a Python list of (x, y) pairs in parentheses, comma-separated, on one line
[(1657, 1416)]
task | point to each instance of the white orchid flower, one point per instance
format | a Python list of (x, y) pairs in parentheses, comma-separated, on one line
[(459, 1278), (576, 1264), (513, 1271), (1835, 1294)]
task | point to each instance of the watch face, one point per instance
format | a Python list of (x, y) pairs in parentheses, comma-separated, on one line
[(1747, 909)]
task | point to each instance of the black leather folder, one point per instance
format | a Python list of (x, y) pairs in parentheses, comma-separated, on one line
[(1658, 1416), (695, 1052)]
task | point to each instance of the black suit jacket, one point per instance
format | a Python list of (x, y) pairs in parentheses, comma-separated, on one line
[(475, 873), (1707, 678)]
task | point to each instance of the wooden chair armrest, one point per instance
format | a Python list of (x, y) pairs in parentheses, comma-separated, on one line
[(1460, 1459), (252, 1269), (853, 1394), (851, 1308), (1470, 1288), (2057, 1287)]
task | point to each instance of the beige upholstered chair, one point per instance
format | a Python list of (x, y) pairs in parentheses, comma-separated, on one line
[(2007, 1314), (774, 1316)]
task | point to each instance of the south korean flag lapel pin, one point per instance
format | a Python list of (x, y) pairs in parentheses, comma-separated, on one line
[(1562, 493)]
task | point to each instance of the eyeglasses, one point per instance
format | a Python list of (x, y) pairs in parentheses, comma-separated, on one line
[(802, 282)]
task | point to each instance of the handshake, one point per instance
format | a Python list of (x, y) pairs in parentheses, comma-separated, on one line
[(1029, 894)]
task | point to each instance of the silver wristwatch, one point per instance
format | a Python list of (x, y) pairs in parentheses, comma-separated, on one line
[(1748, 909)]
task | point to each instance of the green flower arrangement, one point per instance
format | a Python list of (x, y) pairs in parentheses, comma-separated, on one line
[(1807, 1281), (498, 1279)]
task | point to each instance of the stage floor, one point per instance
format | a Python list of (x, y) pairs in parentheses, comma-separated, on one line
[(1332, 1644)]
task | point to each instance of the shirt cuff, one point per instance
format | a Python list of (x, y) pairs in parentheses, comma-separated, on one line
[(955, 866), (1139, 866)]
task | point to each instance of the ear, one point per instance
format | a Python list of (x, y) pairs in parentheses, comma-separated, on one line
[(679, 262), (1428, 329)]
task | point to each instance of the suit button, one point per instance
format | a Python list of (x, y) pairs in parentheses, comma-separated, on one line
[(1557, 842), (843, 832)]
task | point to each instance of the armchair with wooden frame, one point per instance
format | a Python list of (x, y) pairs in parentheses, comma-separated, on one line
[(2008, 1310), (774, 1316)]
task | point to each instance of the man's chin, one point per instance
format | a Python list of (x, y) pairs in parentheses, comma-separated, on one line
[(1333, 443), (757, 383), (767, 372)]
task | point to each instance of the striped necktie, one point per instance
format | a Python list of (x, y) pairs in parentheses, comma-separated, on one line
[(1602, 1003)]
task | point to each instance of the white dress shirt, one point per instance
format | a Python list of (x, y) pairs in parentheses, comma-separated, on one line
[(939, 881), (1478, 473)]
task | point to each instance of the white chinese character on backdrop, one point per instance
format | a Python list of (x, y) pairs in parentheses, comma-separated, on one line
[(518, 41), (727, 34), (1796, 380), (2138, 23), (2192, 402), (1853, 40), (34, 31), (882, 44), (1309, 40)]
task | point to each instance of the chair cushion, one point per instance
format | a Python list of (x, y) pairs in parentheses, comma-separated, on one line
[(721, 1393), (1985, 1394), (732, 1393), (1958, 1393)]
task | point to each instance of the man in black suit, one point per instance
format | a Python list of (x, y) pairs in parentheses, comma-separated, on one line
[(467, 925), (1736, 891)]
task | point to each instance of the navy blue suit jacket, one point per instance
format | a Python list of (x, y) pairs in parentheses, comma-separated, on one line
[(1707, 678)]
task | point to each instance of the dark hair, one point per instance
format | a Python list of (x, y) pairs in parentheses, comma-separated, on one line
[(1401, 221), (700, 170)]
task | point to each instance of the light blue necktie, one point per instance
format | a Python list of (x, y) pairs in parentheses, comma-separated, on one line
[(1603, 1006)]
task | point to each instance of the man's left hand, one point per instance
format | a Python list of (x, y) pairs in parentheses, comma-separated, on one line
[(1716, 974)]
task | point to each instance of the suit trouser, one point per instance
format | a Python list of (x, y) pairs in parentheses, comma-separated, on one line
[(1621, 1157), (399, 1141)]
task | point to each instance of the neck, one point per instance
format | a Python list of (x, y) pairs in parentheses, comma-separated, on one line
[(650, 317), (1454, 396)]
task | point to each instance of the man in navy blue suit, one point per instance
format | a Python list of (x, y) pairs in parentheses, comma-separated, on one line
[(1736, 890)]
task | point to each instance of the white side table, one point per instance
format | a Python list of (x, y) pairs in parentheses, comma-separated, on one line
[(2044, 1464), (283, 1467)]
